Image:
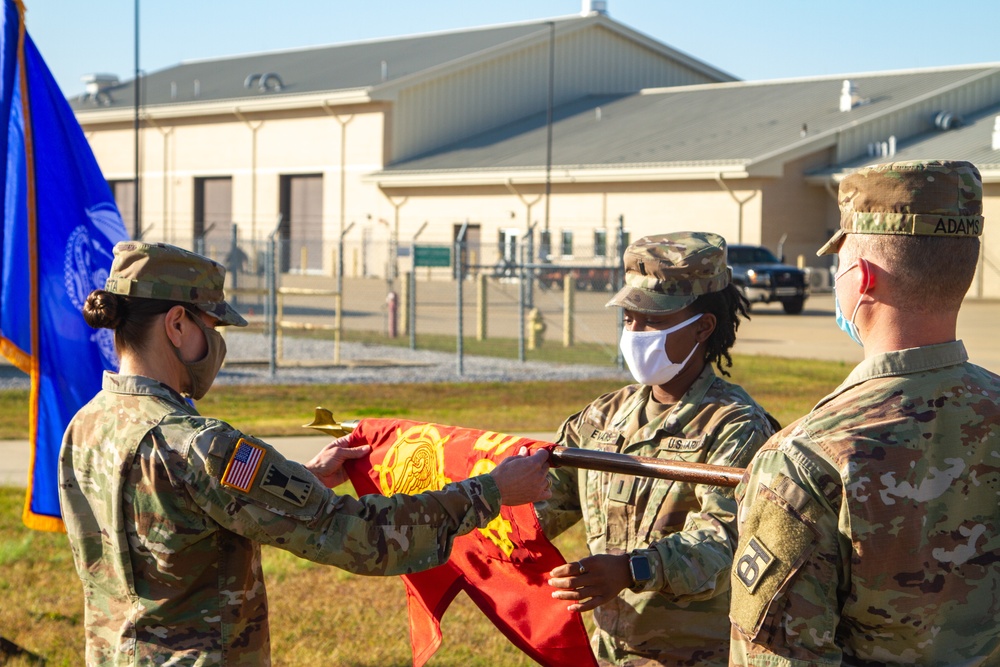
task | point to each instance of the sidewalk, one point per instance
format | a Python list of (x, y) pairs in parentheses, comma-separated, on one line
[(14, 454)]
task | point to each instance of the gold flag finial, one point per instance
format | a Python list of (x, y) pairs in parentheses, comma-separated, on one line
[(324, 422)]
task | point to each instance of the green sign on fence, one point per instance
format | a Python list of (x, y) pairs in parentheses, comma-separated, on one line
[(431, 255)]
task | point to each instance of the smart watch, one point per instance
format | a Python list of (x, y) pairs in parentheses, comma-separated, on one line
[(639, 567)]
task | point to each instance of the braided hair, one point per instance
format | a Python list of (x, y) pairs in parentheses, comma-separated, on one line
[(728, 306)]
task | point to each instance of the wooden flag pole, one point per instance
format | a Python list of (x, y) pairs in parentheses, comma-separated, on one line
[(589, 459)]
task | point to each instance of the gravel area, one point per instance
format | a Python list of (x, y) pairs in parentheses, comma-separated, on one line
[(367, 364)]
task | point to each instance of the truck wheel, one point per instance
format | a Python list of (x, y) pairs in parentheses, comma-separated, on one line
[(793, 306)]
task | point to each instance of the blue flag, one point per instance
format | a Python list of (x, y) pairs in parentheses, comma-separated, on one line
[(60, 226)]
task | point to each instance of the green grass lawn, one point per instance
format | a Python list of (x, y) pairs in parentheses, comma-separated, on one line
[(321, 615), (787, 388)]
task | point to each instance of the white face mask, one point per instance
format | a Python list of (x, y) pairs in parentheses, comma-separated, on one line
[(646, 355)]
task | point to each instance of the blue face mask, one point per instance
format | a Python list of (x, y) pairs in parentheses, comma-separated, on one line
[(846, 325)]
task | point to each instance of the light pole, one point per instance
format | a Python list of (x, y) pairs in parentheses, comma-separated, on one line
[(136, 223), (548, 120)]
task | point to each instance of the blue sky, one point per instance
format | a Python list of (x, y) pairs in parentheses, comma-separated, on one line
[(751, 39)]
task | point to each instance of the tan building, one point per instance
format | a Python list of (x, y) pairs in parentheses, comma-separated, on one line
[(297, 133), (386, 139)]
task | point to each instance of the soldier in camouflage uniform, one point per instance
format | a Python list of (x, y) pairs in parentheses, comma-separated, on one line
[(166, 509), (870, 528), (658, 576)]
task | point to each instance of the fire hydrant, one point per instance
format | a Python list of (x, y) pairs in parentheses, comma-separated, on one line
[(536, 329)]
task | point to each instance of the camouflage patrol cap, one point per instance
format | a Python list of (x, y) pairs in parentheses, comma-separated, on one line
[(161, 271), (920, 198), (666, 272)]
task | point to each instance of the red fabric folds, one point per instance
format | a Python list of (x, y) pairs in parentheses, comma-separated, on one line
[(503, 568)]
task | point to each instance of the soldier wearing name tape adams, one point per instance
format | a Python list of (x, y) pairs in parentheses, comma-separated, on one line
[(870, 528)]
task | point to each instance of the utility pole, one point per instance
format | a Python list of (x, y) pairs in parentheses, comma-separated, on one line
[(136, 223), (548, 120)]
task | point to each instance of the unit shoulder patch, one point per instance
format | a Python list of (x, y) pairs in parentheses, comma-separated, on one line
[(286, 486)]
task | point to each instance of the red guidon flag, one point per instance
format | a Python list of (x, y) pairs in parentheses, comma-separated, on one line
[(503, 567)]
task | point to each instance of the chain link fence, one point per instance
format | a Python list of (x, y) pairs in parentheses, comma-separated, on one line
[(522, 288)]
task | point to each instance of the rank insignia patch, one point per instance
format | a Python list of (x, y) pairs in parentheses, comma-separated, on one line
[(243, 465), (287, 487), (753, 563)]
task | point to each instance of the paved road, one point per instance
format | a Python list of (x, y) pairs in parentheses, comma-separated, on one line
[(811, 335)]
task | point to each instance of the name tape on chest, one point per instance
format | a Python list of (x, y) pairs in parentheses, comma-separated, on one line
[(243, 465), (674, 444)]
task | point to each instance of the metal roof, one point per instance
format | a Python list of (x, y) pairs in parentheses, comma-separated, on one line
[(727, 123), (971, 140), (345, 67), (308, 70)]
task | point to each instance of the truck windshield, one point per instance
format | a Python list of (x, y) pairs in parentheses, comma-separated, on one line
[(751, 255)]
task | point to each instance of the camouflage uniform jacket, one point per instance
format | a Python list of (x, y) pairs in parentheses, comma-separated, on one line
[(870, 529), (688, 531), (166, 511)]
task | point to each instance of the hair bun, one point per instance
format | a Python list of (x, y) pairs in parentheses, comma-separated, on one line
[(104, 310)]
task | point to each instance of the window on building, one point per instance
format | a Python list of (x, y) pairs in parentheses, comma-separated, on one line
[(567, 243), (544, 246), (211, 234), (600, 243), (124, 194)]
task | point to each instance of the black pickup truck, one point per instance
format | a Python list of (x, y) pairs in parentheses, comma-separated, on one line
[(763, 278)]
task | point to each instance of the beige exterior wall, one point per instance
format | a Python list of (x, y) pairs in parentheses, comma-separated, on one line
[(806, 213), (175, 153), (594, 60), (986, 283), (647, 208)]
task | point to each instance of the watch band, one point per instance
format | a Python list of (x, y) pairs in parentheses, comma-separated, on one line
[(640, 570)]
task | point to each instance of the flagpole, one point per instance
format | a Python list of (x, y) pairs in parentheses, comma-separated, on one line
[(590, 459), (136, 223)]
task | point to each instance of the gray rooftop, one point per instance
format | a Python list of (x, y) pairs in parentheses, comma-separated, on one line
[(729, 123), (970, 140), (309, 70), (339, 67)]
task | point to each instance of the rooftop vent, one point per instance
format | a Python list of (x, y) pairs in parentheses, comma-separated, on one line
[(849, 97), (594, 7), (97, 83), (98, 87), (269, 81), (946, 120), (883, 148), (996, 133)]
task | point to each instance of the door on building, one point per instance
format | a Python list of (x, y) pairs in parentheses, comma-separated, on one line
[(472, 255), (507, 251), (124, 194), (301, 229), (211, 234)]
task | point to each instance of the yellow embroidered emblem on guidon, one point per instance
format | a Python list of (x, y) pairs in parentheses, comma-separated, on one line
[(415, 463)]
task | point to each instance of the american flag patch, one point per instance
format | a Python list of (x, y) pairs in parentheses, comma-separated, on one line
[(243, 465)]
